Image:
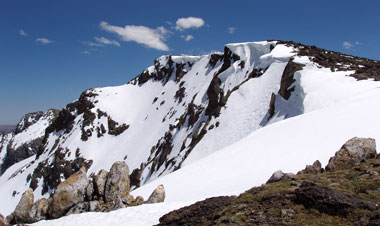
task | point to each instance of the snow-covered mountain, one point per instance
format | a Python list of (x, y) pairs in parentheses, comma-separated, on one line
[(221, 121)]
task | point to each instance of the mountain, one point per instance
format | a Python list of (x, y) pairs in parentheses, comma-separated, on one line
[(206, 125), (7, 128)]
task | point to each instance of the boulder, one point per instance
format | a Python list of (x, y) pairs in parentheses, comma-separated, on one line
[(158, 195), (69, 193), (279, 175), (313, 169), (138, 201), (94, 206), (100, 182), (40, 209), (79, 208), (352, 153), (23, 212), (329, 201), (117, 184)]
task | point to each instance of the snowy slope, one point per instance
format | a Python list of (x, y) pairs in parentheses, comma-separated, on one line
[(212, 119), (288, 145)]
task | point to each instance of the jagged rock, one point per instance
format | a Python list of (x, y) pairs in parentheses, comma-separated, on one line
[(118, 184), (69, 193), (158, 195), (100, 182), (23, 212), (279, 175), (313, 169), (352, 153), (40, 209), (329, 201)]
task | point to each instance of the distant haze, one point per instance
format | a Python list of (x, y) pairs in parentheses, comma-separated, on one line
[(7, 127)]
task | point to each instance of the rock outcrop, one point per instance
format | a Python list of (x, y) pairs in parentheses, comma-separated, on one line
[(69, 193), (118, 184), (352, 153), (78, 194), (313, 169)]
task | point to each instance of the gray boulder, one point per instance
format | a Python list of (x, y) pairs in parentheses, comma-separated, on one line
[(352, 153), (40, 209), (23, 212), (158, 195), (279, 175), (118, 184), (69, 193), (79, 208)]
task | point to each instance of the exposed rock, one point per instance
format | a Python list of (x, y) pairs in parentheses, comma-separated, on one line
[(23, 212), (287, 78), (3, 221), (79, 208), (329, 201), (158, 195), (279, 175), (118, 184), (198, 213), (313, 169), (94, 206), (40, 209), (352, 153), (69, 193), (90, 191), (138, 201), (100, 182)]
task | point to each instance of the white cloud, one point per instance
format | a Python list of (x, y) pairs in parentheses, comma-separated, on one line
[(187, 37), (86, 52), (231, 30), (152, 38), (44, 41), (106, 41), (93, 44), (189, 22), (22, 33), (350, 45)]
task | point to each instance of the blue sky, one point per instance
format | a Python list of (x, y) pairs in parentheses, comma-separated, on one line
[(51, 51)]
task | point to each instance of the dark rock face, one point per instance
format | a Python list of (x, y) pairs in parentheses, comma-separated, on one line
[(329, 201), (287, 79), (364, 68), (22, 152), (199, 213), (28, 120)]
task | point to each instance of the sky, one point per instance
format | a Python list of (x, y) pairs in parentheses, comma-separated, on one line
[(51, 51)]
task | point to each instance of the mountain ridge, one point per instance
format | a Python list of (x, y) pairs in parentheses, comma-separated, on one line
[(257, 81)]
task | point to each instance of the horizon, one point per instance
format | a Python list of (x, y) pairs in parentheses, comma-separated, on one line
[(52, 52)]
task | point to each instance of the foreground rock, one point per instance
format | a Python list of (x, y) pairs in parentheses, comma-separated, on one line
[(118, 184), (158, 195), (69, 193), (339, 196), (352, 153), (78, 194)]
